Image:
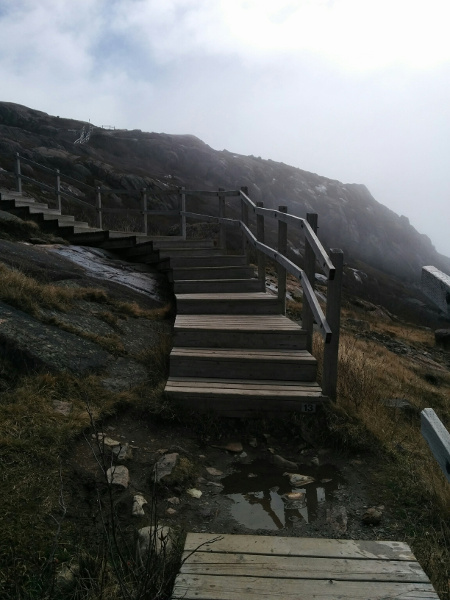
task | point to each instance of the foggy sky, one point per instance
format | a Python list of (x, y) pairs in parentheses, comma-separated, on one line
[(354, 90)]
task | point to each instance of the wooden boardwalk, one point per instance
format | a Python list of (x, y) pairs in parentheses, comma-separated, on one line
[(246, 567)]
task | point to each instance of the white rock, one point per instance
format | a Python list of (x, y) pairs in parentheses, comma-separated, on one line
[(174, 500), (194, 493), (165, 465), (214, 472), (118, 475), (298, 480), (154, 540), (138, 503)]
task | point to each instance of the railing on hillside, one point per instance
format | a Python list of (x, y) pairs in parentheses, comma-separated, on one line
[(96, 206), (331, 264), (437, 437)]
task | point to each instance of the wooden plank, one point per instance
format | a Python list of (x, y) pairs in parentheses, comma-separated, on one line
[(209, 587), (219, 383), (275, 322), (437, 437), (265, 544), (217, 285), (344, 569), (243, 354)]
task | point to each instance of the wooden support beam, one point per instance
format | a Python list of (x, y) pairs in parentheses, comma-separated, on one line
[(281, 271), (261, 256), (331, 350), (309, 268), (222, 229)]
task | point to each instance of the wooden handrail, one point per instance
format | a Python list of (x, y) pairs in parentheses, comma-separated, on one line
[(321, 255), (437, 437)]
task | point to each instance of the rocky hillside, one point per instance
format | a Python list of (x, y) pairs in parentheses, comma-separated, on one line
[(375, 239)]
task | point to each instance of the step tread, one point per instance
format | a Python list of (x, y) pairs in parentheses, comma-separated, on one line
[(214, 387), (238, 296), (237, 322), (244, 354)]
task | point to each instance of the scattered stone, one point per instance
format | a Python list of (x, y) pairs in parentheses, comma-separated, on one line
[(63, 408), (337, 519), (105, 440), (174, 500), (214, 472), (253, 442), (234, 447), (298, 480), (171, 511), (138, 503), (215, 484), (325, 480), (194, 493), (372, 516), (243, 455), (123, 452), (252, 475), (162, 450), (165, 466), (315, 461), (153, 540), (294, 496), (118, 475), (271, 450), (283, 462)]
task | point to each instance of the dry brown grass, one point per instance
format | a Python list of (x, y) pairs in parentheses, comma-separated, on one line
[(27, 294), (410, 476)]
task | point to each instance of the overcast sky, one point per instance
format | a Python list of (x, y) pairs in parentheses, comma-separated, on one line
[(355, 90)]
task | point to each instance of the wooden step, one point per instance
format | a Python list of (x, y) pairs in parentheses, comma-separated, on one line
[(225, 272), (119, 244), (243, 363), (86, 237), (175, 252), (220, 260), (256, 303), (222, 286), (238, 331), (179, 242), (244, 397)]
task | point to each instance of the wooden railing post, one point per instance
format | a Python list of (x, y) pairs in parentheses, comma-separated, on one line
[(281, 271), (98, 206), (261, 256), (222, 229), (309, 268), (18, 174), (244, 219), (144, 210), (333, 315), (183, 209), (58, 190)]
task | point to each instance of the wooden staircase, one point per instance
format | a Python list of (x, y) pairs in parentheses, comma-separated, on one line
[(234, 353)]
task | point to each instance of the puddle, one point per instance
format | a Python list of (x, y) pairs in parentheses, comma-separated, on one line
[(263, 498)]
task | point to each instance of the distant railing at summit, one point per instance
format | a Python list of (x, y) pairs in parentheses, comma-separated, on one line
[(252, 225)]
